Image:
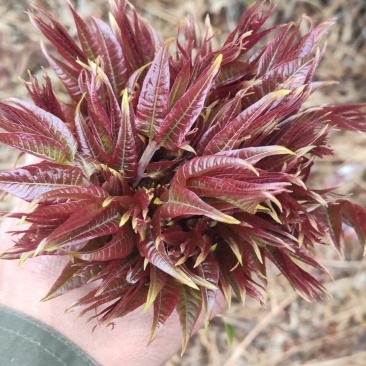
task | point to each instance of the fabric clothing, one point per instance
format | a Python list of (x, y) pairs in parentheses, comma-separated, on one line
[(25, 341)]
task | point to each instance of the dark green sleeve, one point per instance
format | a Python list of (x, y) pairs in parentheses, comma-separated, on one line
[(27, 342)]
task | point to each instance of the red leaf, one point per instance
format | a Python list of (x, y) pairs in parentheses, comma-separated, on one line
[(44, 96), (254, 154), (115, 290), (33, 180), (180, 84), (87, 39), (348, 117), (67, 75), (332, 218), (343, 210), (40, 146), (83, 226), (158, 280), (355, 216), (73, 193), (185, 112), (210, 164), (51, 126), (184, 202), (120, 246), (228, 136), (154, 96), (54, 214), (232, 72), (304, 284), (218, 121), (58, 37), (88, 143), (99, 122), (131, 300), (126, 36), (209, 271), (164, 304), (124, 155), (188, 308), (72, 277), (158, 257), (274, 51), (112, 54)]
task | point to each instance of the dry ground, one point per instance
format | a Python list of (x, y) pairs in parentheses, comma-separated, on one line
[(289, 331)]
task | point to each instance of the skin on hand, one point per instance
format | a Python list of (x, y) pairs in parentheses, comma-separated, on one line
[(21, 288)]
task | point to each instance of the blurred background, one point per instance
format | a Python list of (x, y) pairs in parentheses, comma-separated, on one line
[(289, 331)]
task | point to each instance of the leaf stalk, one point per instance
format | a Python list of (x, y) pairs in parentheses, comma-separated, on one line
[(145, 160)]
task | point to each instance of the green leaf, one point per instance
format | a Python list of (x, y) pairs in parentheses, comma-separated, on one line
[(230, 334)]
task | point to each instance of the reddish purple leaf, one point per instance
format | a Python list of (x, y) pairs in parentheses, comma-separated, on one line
[(210, 164), (180, 85), (31, 181), (188, 308), (154, 97), (114, 60), (83, 226), (164, 304), (67, 75), (120, 246), (158, 257), (48, 124), (183, 202), (88, 143), (227, 138), (40, 146), (124, 156), (209, 271), (71, 278), (184, 113), (88, 41)]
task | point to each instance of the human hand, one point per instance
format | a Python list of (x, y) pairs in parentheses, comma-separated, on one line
[(21, 289)]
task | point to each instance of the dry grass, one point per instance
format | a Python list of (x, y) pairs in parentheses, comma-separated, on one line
[(290, 331)]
